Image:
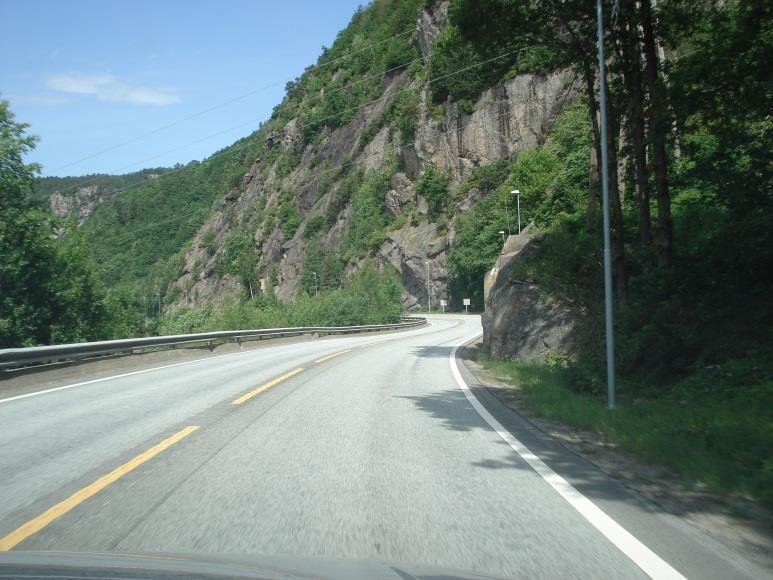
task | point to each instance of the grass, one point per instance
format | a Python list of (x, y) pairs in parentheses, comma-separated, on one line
[(715, 427)]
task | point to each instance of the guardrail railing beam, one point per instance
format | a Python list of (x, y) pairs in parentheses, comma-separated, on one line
[(16, 357)]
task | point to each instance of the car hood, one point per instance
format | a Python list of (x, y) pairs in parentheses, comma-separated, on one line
[(210, 566)]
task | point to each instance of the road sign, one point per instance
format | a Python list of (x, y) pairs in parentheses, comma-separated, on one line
[(443, 304), (466, 303)]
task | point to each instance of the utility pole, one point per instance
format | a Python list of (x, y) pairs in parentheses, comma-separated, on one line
[(605, 207), (429, 295)]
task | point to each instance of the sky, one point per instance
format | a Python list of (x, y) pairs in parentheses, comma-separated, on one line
[(90, 75)]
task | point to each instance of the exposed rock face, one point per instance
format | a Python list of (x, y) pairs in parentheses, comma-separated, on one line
[(82, 203), (401, 194), (519, 320), (430, 26), (80, 197), (419, 254), (506, 120)]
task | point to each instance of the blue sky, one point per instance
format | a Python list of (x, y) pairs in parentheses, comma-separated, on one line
[(88, 75)]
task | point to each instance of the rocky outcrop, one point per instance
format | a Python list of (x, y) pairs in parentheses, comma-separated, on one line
[(520, 319), (81, 196), (430, 25), (81, 203), (506, 120), (418, 253)]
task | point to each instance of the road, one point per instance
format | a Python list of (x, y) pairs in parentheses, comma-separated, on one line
[(372, 450)]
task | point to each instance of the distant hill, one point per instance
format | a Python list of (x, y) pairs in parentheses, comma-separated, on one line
[(83, 194)]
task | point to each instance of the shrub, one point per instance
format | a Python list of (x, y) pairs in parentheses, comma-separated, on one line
[(290, 219), (433, 185)]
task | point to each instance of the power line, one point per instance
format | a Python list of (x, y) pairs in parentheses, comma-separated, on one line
[(253, 120), (179, 217), (320, 120), (249, 122), (230, 101)]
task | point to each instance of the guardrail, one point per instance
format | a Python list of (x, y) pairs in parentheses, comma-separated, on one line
[(10, 357)]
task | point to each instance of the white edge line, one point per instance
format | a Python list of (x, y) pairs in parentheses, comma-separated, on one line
[(642, 556), (99, 380)]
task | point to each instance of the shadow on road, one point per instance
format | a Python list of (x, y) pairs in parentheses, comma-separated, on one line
[(433, 351), (621, 485), (452, 409)]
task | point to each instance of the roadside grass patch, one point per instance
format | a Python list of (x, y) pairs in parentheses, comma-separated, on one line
[(714, 428)]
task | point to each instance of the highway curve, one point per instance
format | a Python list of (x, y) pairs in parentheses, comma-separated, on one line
[(363, 447)]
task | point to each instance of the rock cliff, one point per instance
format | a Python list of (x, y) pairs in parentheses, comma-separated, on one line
[(504, 121)]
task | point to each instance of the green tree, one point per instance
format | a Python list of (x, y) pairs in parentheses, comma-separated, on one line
[(16, 177), (50, 290)]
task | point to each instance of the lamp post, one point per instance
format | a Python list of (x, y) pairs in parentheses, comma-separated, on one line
[(429, 296), (502, 233), (507, 216), (517, 194)]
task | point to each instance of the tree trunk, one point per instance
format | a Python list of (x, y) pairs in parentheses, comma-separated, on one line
[(593, 180), (658, 133), (593, 188), (632, 77), (616, 210)]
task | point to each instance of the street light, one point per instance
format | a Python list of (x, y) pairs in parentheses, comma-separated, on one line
[(517, 194), (507, 216), (429, 296), (502, 233)]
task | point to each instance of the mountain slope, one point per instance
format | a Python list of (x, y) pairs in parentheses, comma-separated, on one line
[(357, 161)]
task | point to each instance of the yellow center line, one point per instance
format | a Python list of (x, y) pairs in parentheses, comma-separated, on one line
[(268, 385), (35, 525), (335, 354)]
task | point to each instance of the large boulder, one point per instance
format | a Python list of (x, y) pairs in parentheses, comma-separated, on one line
[(520, 320)]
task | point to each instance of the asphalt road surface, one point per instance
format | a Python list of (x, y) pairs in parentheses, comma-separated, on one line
[(363, 447)]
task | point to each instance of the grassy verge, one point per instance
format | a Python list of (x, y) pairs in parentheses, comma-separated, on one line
[(715, 427)]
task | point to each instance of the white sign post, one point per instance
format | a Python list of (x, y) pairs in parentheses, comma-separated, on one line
[(443, 304), (466, 303)]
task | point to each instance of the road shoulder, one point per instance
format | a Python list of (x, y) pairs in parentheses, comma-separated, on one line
[(742, 528)]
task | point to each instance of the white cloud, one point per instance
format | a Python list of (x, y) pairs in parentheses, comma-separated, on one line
[(108, 88), (38, 100)]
